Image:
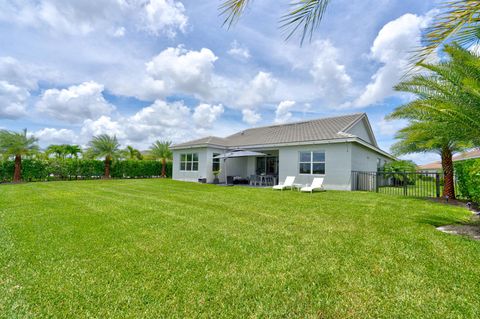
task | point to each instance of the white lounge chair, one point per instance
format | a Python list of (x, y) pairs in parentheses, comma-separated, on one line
[(317, 184), (287, 184)]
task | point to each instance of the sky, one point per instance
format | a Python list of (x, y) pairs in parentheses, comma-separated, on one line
[(147, 70)]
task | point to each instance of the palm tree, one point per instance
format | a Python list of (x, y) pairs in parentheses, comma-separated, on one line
[(132, 153), (58, 150), (458, 21), (420, 137), (161, 150), (107, 147), (449, 91), (17, 144), (72, 150), (304, 15)]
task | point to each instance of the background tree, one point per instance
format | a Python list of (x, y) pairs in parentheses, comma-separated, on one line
[(161, 150), (132, 153), (58, 150), (107, 147), (73, 150), (17, 144)]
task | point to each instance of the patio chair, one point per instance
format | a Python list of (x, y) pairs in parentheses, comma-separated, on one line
[(317, 184), (288, 184)]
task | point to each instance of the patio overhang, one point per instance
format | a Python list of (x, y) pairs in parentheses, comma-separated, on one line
[(239, 153)]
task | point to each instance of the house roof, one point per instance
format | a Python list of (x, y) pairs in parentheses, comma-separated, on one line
[(315, 130), (460, 157)]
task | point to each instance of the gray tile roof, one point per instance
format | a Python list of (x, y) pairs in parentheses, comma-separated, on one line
[(314, 130)]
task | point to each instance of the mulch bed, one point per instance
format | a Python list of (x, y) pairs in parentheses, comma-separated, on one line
[(470, 229)]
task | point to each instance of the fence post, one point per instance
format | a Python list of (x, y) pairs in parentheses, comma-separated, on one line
[(437, 184), (405, 184), (377, 179)]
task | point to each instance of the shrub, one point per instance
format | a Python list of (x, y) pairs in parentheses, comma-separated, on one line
[(396, 169), (468, 179), (71, 168)]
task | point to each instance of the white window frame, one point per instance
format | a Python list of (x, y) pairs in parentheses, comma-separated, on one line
[(216, 161), (311, 162), (186, 162)]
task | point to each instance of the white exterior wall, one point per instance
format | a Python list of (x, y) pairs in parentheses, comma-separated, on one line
[(338, 159), (365, 159), (190, 176), (360, 130)]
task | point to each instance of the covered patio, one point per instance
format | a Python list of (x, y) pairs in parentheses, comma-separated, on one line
[(257, 168)]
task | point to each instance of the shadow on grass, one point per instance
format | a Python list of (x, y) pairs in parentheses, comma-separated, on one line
[(437, 221)]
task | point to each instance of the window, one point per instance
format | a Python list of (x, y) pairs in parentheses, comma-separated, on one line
[(189, 162), (312, 163), (379, 164), (215, 163)]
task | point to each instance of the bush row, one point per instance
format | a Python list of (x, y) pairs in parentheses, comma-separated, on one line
[(69, 169), (468, 179)]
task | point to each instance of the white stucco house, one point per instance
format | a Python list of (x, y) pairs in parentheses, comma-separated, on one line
[(327, 147)]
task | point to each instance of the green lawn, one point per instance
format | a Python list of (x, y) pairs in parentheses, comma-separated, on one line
[(160, 248)]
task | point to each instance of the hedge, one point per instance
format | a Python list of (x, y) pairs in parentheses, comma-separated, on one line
[(468, 179), (69, 169)]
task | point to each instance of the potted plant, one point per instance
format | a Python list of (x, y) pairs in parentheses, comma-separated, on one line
[(215, 179)]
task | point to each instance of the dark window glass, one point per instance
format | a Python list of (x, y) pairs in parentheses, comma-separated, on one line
[(305, 157), (183, 157), (189, 157), (195, 157), (215, 163), (195, 166), (305, 168), (318, 157), (318, 168), (182, 166)]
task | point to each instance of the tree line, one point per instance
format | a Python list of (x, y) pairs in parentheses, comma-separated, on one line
[(19, 145)]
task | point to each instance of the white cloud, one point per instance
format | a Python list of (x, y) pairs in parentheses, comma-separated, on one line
[(12, 101), (18, 74), (102, 125), (392, 48), (330, 76), (49, 136), (84, 17), (259, 90), (76, 103), (250, 116), (181, 70), (205, 115), (283, 114), (389, 127), (165, 16), (238, 51)]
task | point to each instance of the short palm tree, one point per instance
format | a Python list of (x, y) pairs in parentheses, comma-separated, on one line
[(161, 150), (58, 150), (73, 150), (17, 144), (107, 147), (421, 137), (132, 153)]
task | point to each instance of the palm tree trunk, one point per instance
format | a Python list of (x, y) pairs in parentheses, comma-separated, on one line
[(107, 168), (17, 174), (447, 165), (164, 166)]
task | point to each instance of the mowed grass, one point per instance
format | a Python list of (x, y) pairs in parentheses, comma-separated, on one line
[(160, 248)]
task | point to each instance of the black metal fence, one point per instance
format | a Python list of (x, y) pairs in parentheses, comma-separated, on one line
[(417, 184)]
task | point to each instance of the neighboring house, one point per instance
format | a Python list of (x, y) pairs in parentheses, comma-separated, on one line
[(328, 147), (435, 167)]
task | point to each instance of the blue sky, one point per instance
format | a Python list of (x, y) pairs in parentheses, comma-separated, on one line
[(165, 69)]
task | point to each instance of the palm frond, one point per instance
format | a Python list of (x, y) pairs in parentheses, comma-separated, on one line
[(232, 10), (305, 17)]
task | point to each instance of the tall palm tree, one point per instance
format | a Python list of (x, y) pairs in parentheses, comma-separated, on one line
[(161, 150), (132, 153), (303, 17), (17, 144), (107, 147)]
